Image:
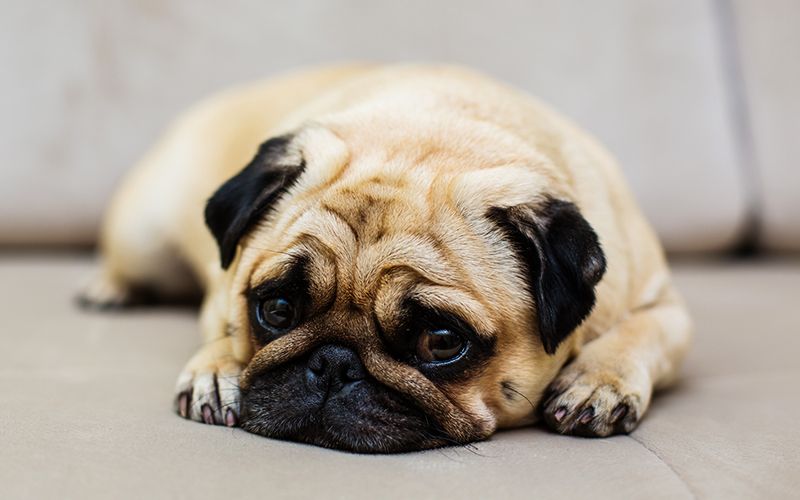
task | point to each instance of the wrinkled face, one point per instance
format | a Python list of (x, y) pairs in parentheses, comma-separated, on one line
[(392, 291)]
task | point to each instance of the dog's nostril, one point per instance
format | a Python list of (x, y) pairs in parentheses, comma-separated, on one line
[(353, 373), (333, 367), (316, 365)]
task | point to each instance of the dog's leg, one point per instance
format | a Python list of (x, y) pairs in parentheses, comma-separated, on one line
[(138, 264), (111, 289), (607, 388), (208, 387), (105, 291), (141, 258)]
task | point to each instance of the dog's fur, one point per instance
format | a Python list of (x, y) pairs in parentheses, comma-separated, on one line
[(389, 200)]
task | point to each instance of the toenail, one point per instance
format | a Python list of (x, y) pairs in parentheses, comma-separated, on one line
[(586, 415), (619, 412), (230, 418), (208, 416)]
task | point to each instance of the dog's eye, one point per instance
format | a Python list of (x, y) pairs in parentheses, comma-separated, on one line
[(276, 314), (439, 345)]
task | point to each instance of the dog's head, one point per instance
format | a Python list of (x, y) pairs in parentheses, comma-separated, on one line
[(400, 290)]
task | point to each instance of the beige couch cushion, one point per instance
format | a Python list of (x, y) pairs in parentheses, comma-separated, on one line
[(86, 412), (770, 41), (91, 86)]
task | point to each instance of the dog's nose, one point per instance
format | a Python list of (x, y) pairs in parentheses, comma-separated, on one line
[(333, 368)]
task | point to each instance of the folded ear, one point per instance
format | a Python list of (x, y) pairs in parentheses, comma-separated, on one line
[(249, 195), (562, 259)]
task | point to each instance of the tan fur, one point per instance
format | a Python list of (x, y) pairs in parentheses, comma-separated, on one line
[(402, 163)]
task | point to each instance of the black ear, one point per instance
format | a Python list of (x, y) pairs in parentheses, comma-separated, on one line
[(247, 196), (563, 262)]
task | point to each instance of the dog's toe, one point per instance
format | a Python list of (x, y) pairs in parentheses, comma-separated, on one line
[(591, 405), (205, 400), (211, 398)]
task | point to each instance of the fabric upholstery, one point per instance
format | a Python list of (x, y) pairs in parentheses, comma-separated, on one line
[(91, 86), (86, 411), (768, 37)]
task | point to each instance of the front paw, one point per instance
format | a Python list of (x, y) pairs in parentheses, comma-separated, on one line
[(593, 402), (210, 396)]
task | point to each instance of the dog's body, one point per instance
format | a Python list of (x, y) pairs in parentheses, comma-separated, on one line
[(397, 200)]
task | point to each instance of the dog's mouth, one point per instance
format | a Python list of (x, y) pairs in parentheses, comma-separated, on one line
[(353, 413)]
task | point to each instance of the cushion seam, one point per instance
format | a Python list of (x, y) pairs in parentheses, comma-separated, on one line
[(680, 478)]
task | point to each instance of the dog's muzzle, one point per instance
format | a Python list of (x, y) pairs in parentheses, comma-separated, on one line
[(329, 399)]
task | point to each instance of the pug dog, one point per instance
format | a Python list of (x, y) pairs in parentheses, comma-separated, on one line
[(412, 256)]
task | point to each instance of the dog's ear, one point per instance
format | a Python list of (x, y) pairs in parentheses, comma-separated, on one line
[(247, 196), (562, 259)]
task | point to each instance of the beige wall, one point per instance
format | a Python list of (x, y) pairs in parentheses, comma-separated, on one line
[(87, 86)]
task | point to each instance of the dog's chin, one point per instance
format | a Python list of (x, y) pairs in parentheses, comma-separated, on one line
[(365, 417)]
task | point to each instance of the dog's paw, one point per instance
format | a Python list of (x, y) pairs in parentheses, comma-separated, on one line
[(103, 293), (211, 397), (589, 402)]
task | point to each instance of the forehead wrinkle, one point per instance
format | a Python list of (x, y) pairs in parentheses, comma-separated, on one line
[(323, 231), (401, 251), (391, 291), (319, 272), (457, 302), (271, 268), (303, 245), (385, 276), (334, 238), (303, 209), (469, 241), (329, 228), (328, 159), (451, 234), (342, 220), (455, 261)]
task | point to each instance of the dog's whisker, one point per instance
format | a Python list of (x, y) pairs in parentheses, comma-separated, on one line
[(512, 389)]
